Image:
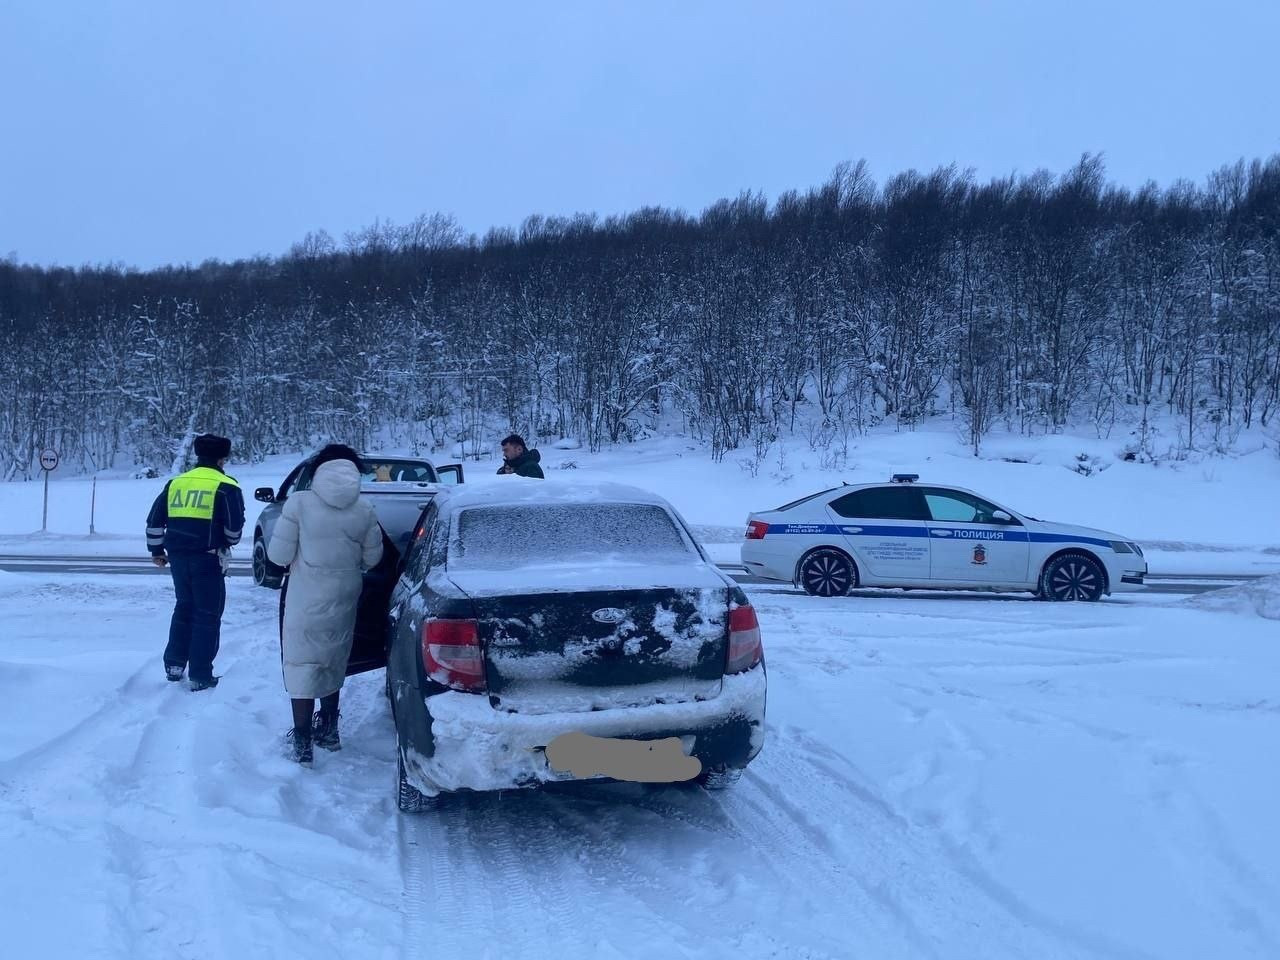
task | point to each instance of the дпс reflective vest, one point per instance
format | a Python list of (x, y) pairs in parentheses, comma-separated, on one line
[(199, 510)]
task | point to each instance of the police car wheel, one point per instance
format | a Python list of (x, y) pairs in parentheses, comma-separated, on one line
[(827, 573), (1073, 577)]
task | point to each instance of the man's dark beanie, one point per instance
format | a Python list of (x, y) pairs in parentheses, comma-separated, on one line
[(211, 447), (515, 440)]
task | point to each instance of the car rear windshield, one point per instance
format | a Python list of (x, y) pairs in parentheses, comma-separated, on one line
[(520, 535), (796, 503), (388, 471)]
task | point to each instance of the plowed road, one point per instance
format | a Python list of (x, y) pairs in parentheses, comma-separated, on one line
[(60, 563)]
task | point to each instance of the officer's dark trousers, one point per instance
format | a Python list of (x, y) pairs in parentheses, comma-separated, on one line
[(197, 616)]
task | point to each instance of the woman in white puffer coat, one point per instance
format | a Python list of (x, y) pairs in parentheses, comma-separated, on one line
[(327, 536)]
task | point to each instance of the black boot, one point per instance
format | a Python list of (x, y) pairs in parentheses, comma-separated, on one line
[(324, 725), (299, 746), (198, 685), (173, 672), (324, 731), (299, 738)]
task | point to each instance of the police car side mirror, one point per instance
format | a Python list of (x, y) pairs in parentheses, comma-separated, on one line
[(999, 516), (265, 495)]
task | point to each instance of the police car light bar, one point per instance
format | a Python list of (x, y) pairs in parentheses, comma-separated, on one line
[(905, 478)]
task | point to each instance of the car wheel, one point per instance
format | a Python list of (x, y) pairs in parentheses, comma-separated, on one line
[(828, 573), (409, 799), (719, 778), (265, 573), (1073, 577)]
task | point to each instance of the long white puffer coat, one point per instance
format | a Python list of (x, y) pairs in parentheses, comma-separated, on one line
[(327, 537)]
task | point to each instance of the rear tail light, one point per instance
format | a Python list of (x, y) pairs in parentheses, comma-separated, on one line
[(756, 529), (451, 654), (745, 649)]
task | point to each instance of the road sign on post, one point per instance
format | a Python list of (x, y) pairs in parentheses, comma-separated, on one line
[(48, 463)]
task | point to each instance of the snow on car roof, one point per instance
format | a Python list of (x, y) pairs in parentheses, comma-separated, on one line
[(523, 490)]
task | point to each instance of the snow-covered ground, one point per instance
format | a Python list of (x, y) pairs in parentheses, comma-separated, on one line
[(1214, 515), (943, 776)]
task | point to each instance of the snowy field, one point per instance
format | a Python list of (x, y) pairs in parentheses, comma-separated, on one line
[(944, 776), (1214, 515)]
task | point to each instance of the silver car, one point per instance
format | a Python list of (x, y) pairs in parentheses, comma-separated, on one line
[(398, 487)]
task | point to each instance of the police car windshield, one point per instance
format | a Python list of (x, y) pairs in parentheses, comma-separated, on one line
[(796, 503), (390, 471)]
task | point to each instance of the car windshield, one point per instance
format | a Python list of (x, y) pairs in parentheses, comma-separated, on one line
[(381, 470), (522, 535)]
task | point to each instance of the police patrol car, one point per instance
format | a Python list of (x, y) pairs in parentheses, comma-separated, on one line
[(928, 536)]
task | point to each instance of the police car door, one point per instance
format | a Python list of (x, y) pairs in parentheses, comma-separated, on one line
[(885, 531), (968, 545)]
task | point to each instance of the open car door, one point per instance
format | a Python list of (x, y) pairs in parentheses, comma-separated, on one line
[(369, 646)]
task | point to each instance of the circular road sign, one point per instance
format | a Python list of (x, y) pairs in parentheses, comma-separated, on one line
[(49, 460)]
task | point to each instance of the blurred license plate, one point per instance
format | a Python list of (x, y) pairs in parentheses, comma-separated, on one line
[(578, 756)]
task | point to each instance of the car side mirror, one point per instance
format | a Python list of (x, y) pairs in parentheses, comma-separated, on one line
[(1000, 516), (265, 494), (450, 474)]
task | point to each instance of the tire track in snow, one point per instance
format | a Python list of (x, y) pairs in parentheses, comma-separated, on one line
[(540, 841), (416, 890), (1245, 901), (791, 837), (914, 885), (445, 892)]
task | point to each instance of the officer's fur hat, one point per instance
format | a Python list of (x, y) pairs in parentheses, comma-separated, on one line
[(209, 446)]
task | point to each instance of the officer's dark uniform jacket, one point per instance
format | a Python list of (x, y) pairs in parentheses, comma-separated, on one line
[(198, 511)]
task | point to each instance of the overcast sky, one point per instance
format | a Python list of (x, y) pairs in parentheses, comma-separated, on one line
[(174, 131)]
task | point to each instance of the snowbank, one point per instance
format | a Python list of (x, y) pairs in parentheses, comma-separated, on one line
[(1258, 597), (11, 583)]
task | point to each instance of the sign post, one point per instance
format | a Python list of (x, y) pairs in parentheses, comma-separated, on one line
[(48, 463), (93, 504)]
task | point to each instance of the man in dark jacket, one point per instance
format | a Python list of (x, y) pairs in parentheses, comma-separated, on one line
[(519, 459), (192, 526)]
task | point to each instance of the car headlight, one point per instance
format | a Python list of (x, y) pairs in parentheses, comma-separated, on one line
[(1119, 546)]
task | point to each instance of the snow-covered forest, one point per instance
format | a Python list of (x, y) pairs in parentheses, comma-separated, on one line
[(1031, 302)]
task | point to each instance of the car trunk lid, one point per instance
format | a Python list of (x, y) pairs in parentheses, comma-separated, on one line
[(576, 639)]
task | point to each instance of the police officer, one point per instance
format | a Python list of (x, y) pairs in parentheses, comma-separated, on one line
[(192, 526)]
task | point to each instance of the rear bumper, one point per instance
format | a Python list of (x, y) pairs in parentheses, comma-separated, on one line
[(1133, 579), (766, 563), (479, 748)]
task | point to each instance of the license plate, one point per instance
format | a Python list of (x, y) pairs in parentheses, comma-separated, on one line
[(582, 757)]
